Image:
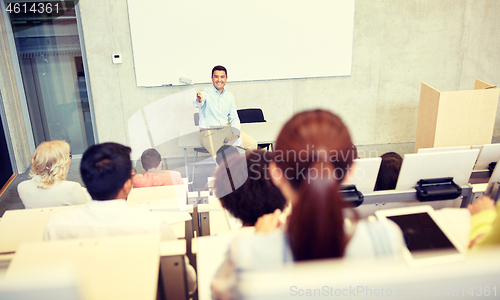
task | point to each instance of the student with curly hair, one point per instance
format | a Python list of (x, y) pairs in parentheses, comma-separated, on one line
[(48, 185), (254, 194)]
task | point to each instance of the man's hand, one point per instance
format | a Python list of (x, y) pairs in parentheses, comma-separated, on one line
[(268, 222), (482, 204), (199, 97)]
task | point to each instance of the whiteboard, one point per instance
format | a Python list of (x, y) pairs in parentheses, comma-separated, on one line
[(159, 116), (253, 39)]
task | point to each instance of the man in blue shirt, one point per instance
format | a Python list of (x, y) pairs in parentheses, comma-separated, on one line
[(219, 122)]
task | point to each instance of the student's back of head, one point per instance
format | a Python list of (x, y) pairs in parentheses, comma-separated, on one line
[(49, 187), (150, 159), (155, 175), (245, 187), (105, 168), (389, 171), (314, 151), (50, 162)]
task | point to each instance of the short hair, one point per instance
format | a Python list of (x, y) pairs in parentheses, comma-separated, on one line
[(150, 158), (389, 171), (50, 163), (219, 68), (105, 168), (257, 195)]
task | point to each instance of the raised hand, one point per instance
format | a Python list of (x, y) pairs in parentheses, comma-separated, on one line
[(481, 204), (199, 97), (268, 222)]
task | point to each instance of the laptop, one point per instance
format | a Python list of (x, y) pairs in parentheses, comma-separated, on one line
[(427, 239)]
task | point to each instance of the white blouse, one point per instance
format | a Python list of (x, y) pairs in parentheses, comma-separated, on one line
[(60, 194), (381, 239)]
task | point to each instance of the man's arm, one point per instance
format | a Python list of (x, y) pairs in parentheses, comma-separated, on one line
[(166, 232)]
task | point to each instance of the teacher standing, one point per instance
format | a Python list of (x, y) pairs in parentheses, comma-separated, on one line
[(219, 122)]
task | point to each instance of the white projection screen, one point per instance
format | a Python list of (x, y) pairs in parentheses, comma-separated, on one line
[(253, 39)]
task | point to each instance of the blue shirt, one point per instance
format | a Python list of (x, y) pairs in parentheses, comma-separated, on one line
[(216, 108)]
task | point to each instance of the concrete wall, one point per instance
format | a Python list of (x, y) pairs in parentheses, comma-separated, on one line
[(12, 106), (480, 51), (397, 45)]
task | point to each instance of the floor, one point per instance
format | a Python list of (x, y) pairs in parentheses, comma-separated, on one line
[(10, 198)]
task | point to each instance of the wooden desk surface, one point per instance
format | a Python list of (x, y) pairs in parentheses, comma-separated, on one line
[(171, 195), (177, 247), (167, 201), (109, 268), (25, 225), (264, 132), (218, 218), (211, 251), (28, 225)]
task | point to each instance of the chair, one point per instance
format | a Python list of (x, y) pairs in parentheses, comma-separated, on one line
[(253, 115), (199, 149), (197, 119)]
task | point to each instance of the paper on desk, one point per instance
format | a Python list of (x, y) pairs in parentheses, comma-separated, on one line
[(457, 221), (171, 214), (211, 252), (171, 204), (172, 217), (165, 205), (181, 193)]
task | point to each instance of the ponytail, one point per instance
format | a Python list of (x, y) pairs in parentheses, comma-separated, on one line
[(318, 143), (316, 225)]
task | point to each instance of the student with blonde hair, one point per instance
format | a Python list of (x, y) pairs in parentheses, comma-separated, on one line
[(48, 185)]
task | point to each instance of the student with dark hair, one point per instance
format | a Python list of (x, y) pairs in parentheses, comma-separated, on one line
[(155, 175), (313, 154), (256, 195), (389, 171), (106, 171)]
